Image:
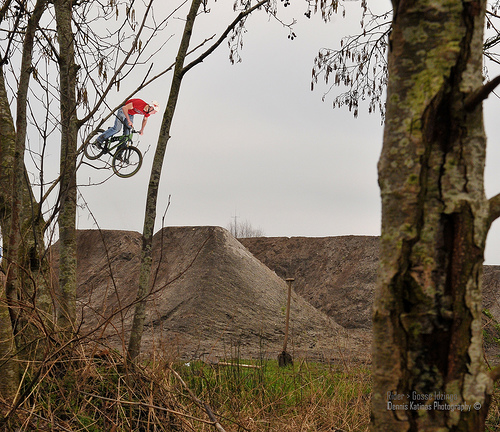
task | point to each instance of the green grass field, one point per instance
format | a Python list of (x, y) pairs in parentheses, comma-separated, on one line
[(303, 397)]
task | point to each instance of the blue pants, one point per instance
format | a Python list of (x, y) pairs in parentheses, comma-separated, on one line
[(119, 122)]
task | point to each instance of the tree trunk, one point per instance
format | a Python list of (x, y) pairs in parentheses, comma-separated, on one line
[(154, 181), (20, 221), (7, 157), (10, 377), (67, 194), (427, 354), (10, 371)]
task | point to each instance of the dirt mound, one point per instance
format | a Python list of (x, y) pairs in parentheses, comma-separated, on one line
[(337, 275), (210, 296)]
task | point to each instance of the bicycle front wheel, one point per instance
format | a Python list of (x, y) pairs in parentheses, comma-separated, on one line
[(127, 161), (93, 151)]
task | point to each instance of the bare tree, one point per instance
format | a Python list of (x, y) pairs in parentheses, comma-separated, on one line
[(68, 45), (21, 233), (233, 31), (150, 215), (67, 185), (243, 229), (89, 65)]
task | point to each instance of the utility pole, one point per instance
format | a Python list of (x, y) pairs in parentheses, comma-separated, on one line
[(235, 233)]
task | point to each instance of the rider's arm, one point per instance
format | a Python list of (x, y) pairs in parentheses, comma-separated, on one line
[(144, 121), (125, 109)]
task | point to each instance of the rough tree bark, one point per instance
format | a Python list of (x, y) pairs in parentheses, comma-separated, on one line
[(427, 352)]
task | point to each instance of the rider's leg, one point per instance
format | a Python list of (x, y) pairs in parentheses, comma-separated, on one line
[(126, 129), (119, 122)]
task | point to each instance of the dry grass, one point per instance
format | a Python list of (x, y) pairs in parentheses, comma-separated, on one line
[(97, 393), (493, 419)]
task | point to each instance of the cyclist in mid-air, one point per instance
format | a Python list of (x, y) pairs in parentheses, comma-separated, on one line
[(125, 117)]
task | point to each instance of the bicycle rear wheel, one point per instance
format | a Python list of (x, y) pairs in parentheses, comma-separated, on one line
[(93, 151), (127, 161)]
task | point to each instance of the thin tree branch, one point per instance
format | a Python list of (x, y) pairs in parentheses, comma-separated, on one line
[(142, 85), (146, 405), (494, 212), (5, 58), (145, 82), (200, 403), (49, 43), (119, 69), (210, 50), (4, 9), (480, 94)]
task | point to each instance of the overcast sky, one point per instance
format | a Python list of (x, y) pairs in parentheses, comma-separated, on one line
[(253, 141)]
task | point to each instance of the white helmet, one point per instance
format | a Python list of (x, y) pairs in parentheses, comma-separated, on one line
[(155, 105)]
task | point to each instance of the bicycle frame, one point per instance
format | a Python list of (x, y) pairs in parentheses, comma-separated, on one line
[(122, 139)]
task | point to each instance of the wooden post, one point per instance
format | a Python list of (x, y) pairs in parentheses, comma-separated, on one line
[(285, 359)]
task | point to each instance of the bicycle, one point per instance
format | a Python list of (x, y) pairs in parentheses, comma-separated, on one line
[(127, 159)]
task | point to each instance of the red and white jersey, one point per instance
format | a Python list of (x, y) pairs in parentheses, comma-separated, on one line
[(138, 106)]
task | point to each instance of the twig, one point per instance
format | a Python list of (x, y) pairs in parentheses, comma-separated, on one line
[(51, 422), (200, 403), (494, 211), (238, 365), (146, 405), (120, 67), (223, 36)]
